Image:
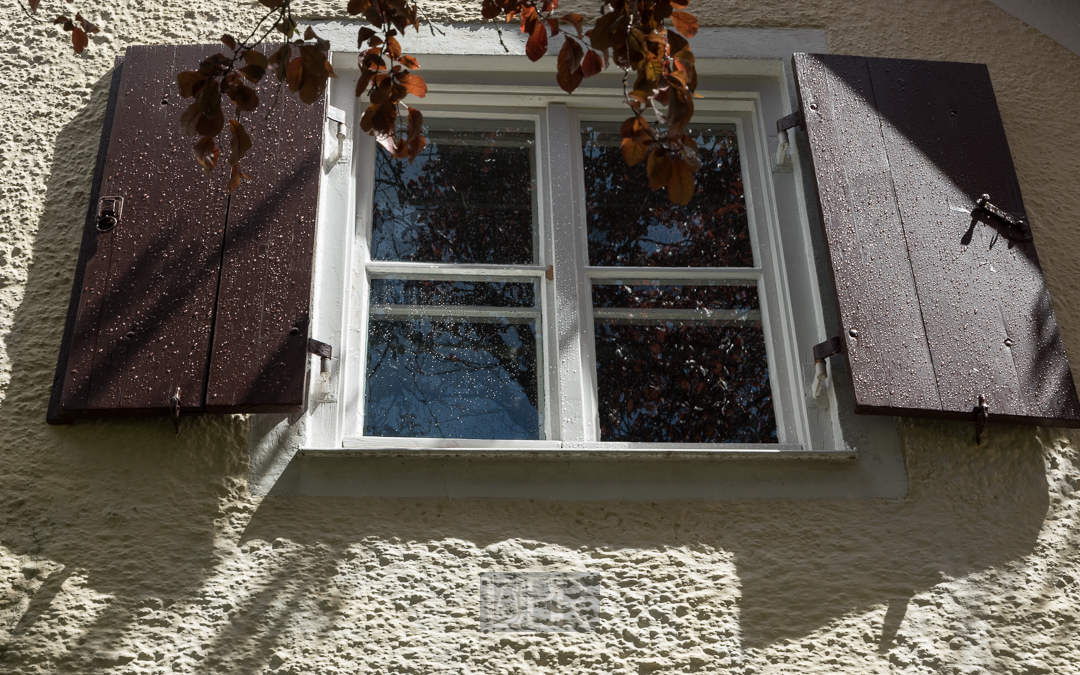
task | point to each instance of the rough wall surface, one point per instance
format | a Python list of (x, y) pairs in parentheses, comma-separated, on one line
[(126, 549)]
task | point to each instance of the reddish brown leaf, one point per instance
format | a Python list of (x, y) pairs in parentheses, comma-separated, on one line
[(409, 62), (414, 84), (228, 41), (294, 74), (574, 20), (633, 152), (86, 25), (416, 124), (239, 141), (254, 58), (189, 119), (359, 7), (189, 82), (244, 97), (209, 98), (234, 178), (592, 64), (206, 153), (209, 126), (568, 70), (537, 45), (253, 73), (685, 23), (658, 168), (78, 39), (553, 24), (34, 5), (681, 183)]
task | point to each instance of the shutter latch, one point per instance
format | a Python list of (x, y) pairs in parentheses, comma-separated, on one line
[(108, 212), (822, 351), (784, 138), (337, 147), (983, 203), (324, 392)]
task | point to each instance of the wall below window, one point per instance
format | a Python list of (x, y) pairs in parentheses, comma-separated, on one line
[(127, 548)]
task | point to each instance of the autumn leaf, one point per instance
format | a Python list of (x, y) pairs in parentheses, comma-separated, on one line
[(658, 169), (78, 39), (228, 41), (537, 45), (575, 21), (592, 64), (240, 141), (633, 152), (685, 23), (206, 153), (34, 5), (414, 84), (681, 183)]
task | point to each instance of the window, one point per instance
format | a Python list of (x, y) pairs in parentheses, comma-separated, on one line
[(518, 287)]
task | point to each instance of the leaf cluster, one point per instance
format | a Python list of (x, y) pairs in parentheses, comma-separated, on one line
[(634, 35)]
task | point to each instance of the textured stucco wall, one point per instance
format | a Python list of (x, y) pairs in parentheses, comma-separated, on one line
[(126, 549)]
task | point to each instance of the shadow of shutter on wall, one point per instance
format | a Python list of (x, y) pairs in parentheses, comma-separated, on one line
[(940, 301), (151, 311)]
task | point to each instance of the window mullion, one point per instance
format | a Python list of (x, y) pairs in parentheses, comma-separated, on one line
[(575, 420)]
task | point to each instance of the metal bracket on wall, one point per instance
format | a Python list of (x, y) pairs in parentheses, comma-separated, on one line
[(822, 351), (784, 139)]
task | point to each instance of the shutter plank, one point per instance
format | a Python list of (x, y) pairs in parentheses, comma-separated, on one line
[(876, 290), (145, 312), (944, 145), (976, 287), (259, 360)]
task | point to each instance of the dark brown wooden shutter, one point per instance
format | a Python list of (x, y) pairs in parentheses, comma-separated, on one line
[(940, 301), (262, 318), (150, 306)]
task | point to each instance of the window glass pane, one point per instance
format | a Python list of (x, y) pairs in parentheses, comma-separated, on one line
[(453, 360), (469, 197), (629, 224), (680, 363), (453, 292)]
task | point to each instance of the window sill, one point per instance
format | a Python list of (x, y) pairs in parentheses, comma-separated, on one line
[(548, 450)]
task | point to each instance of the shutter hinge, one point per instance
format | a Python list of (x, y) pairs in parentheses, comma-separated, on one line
[(174, 410), (983, 203), (822, 351), (982, 410), (784, 138)]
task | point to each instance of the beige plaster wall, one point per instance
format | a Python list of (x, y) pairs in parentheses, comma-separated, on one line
[(126, 549)]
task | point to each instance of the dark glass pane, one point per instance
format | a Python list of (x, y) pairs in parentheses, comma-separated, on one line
[(683, 382), (444, 292), (468, 197), (453, 359), (629, 224), (634, 295)]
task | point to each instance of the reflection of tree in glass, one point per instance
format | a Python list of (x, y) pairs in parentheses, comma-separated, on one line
[(468, 198), (463, 377), (688, 383), (453, 292), (736, 296), (629, 224)]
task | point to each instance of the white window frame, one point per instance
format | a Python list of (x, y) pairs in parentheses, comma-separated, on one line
[(806, 427)]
